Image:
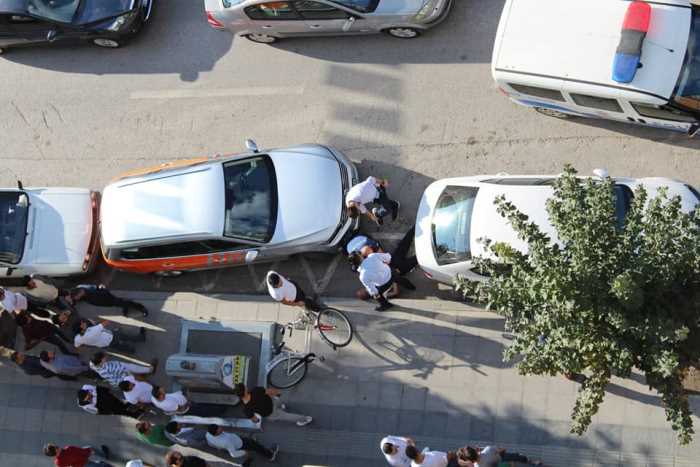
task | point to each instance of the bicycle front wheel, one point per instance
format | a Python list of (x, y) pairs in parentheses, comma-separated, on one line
[(287, 372), (334, 327)]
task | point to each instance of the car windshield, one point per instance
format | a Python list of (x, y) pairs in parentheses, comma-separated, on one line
[(363, 6), (687, 91), (13, 225), (62, 11), (251, 199), (451, 224)]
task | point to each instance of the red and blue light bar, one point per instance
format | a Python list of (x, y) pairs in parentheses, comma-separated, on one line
[(629, 50)]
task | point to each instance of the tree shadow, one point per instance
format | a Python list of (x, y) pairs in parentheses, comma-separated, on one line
[(177, 40), (476, 20)]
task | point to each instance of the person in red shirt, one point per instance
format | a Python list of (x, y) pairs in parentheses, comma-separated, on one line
[(74, 456)]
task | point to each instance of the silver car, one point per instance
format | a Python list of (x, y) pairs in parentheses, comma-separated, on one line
[(268, 21), (221, 211)]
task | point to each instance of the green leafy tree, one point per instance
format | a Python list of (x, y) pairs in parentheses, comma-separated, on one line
[(603, 298)]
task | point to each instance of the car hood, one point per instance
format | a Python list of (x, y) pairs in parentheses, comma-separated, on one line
[(96, 10), (399, 7), (309, 197), (60, 226)]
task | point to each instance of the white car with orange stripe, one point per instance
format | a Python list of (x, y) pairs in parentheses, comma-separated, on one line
[(227, 210)]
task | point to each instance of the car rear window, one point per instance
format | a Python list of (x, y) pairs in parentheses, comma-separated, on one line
[(14, 213), (595, 102)]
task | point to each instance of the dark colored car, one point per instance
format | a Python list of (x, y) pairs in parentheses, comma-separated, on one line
[(106, 23)]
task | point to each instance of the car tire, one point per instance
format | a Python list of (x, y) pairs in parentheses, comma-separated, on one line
[(552, 113), (262, 38), (2, 51), (403, 33), (107, 43)]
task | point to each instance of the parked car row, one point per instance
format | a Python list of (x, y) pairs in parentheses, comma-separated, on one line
[(111, 23)]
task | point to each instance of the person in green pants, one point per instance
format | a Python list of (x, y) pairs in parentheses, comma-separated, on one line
[(152, 434)]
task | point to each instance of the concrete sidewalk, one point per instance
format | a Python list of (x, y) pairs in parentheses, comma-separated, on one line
[(429, 369)]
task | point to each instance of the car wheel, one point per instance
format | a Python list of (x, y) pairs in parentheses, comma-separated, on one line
[(552, 113), (403, 33), (2, 51), (261, 38), (106, 43), (167, 273)]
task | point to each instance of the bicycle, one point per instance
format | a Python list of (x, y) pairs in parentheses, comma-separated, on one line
[(288, 368)]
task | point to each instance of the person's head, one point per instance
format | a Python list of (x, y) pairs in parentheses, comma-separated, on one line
[(82, 326), (158, 393), (274, 280), (352, 211), (366, 250), (77, 294), (143, 427), (51, 450), (23, 319), (84, 397), (214, 430), (99, 358), (412, 452), (390, 449), (126, 386), (172, 427), (355, 259), (240, 390), (17, 357), (47, 356), (472, 454), (174, 459)]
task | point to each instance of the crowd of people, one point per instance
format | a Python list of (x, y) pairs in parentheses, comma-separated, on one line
[(46, 313), (401, 451)]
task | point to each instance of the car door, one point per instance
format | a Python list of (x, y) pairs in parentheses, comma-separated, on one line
[(18, 30), (275, 19), (322, 18), (662, 116)]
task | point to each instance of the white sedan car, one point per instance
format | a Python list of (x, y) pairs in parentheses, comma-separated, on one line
[(455, 212), (48, 231)]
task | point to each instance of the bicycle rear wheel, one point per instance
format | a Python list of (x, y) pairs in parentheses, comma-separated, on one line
[(287, 372), (335, 328)]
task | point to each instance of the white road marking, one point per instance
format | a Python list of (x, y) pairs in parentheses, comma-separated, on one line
[(321, 286), (252, 91)]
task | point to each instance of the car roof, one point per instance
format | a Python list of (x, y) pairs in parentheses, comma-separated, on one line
[(180, 204), (545, 38)]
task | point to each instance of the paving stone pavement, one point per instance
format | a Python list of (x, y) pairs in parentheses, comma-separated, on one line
[(430, 369)]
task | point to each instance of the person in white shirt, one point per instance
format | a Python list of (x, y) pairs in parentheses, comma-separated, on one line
[(288, 292), (97, 335), (137, 463), (13, 302), (394, 449), (98, 400), (237, 445), (176, 403), (371, 191), (426, 458), (135, 391), (376, 276)]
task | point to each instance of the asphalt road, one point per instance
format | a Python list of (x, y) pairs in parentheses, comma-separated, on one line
[(413, 111)]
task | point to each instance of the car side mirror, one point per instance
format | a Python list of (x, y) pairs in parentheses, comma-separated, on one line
[(600, 173), (348, 24), (250, 144), (51, 35), (9, 271)]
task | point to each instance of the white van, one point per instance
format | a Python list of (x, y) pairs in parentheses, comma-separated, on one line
[(559, 57)]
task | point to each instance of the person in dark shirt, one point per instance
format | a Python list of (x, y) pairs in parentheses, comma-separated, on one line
[(30, 365), (99, 295), (36, 331), (267, 404), (176, 459), (99, 400)]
